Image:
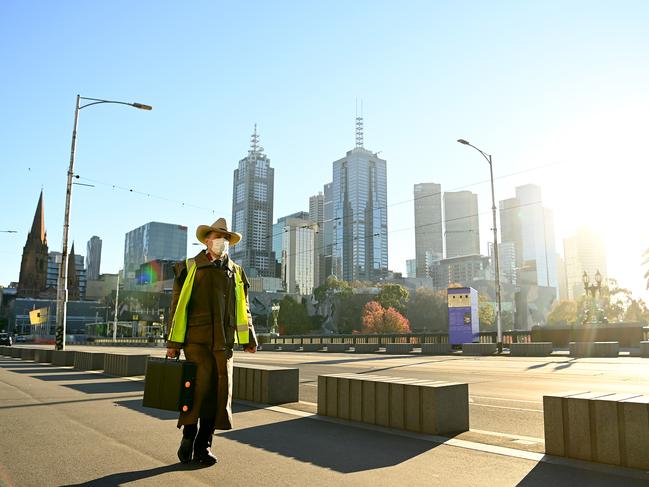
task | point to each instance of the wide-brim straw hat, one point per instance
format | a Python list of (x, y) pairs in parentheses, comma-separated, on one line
[(219, 226)]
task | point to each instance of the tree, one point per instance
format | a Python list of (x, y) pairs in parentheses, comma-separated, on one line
[(563, 313), (332, 285), (293, 317), (377, 319), (637, 312), (427, 310), (393, 296), (486, 313)]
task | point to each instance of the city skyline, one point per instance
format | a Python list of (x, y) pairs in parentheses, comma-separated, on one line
[(574, 128)]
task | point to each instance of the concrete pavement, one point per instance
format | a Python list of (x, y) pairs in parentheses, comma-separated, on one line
[(61, 426)]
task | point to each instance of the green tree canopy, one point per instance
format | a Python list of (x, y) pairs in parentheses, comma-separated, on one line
[(563, 313), (393, 296), (427, 310), (486, 313), (293, 318)]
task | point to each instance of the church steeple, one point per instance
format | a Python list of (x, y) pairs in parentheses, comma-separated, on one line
[(33, 268), (38, 225)]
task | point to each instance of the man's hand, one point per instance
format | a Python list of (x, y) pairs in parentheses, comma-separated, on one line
[(173, 352), (250, 348)]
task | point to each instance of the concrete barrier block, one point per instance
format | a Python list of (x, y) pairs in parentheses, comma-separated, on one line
[(125, 365), (553, 422), (366, 347), (312, 347), (634, 423), (266, 384), (605, 427), (445, 408), (478, 348), (322, 395), (644, 349), (344, 398), (332, 396), (382, 403), (289, 347), (355, 400), (89, 360), (577, 425), (398, 348), (43, 355), (268, 347), (4, 349), (236, 381), (337, 347), (62, 357), (369, 401), (436, 348), (27, 353), (534, 349), (15, 352), (594, 349)]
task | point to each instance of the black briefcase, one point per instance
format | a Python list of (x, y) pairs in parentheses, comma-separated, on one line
[(169, 384)]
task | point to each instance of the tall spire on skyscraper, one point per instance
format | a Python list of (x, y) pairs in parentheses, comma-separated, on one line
[(255, 148), (359, 127)]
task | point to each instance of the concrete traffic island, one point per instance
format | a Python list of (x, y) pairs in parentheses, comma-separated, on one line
[(533, 349), (265, 384), (594, 349), (125, 365), (89, 360), (599, 427), (409, 404), (478, 348)]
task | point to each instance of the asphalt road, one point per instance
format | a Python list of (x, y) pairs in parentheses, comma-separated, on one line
[(61, 426), (505, 392)]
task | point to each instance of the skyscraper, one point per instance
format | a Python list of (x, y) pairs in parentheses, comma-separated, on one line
[(328, 231), (360, 230), (429, 243), (33, 267), (583, 252), (278, 236), (462, 226), (252, 211), (93, 255), (316, 215), (524, 221), (297, 256), (153, 241)]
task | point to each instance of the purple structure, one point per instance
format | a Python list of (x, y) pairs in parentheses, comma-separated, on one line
[(463, 318)]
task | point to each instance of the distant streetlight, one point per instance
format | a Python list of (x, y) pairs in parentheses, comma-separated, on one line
[(499, 331), (592, 289), (62, 291)]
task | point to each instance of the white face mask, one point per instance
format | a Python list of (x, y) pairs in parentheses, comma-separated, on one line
[(219, 246)]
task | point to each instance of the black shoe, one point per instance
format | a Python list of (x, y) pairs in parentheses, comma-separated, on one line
[(185, 450), (204, 456)]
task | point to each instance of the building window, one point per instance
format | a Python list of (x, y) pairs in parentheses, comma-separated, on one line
[(241, 192), (261, 191)]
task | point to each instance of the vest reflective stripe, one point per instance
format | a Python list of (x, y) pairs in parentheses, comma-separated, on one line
[(241, 312), (179, 322)]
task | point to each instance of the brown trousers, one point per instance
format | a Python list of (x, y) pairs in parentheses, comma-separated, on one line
[(213, 390)]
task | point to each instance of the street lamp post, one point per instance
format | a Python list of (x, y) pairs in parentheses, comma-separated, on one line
[(592, 290), (62, 288), (499, 332)]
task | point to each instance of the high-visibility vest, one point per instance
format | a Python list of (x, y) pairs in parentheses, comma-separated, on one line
[(179, 321)]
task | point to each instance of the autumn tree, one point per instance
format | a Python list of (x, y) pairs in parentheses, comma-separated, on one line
[(393, 296), (377, 319), (486, 313)]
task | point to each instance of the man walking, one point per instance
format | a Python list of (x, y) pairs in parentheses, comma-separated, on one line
[(209, 312)]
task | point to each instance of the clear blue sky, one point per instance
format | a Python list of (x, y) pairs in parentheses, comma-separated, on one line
[(557, 85)]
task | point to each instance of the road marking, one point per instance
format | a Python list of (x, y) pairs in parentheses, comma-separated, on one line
[(507, 435), (506, 399), (506, 407)]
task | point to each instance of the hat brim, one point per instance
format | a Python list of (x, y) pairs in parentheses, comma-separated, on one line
[(203, 230)]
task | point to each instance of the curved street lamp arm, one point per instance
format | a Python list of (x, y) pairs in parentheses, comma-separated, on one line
[(484, 154)]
